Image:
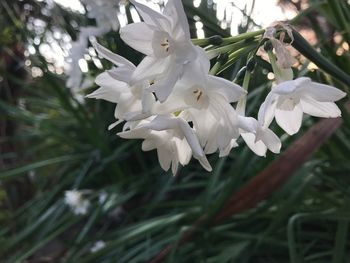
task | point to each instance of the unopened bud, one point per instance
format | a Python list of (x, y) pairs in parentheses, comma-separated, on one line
[(215, 40)]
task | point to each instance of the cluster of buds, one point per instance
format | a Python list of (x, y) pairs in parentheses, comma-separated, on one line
[(172, 100)]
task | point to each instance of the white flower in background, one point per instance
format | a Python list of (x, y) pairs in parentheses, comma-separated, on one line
[(115, 87), (165, 40), (75, 200), (173, 138), (105, 14), (98, 245), (77, 52), (290, 99), (102, 197)]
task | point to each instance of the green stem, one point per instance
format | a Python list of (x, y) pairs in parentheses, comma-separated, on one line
[(229, 48), (243, 36), (241, 105), (230, 40)]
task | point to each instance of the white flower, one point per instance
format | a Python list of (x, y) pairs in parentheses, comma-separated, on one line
[(173, 138), (75, 200), (165, 39), (116, 87), (205, 100), (98, 245), (77, 52), (104, 12), (102, 197), (290, 99), (257, 137)]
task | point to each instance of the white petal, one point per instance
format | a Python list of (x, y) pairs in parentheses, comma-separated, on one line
[(320, 109), (259, 148), (138, 36), (290, 86), (271, 140), (138, 133), (121, 73), (202, 59), (151, 17), (184, 151), (226, 150), (149, 144), (114, 124), (109, 93), (267, 110), (112, 57), (322, 92), (148, 100), (289, 121), (164, 157), (231, 91), (164, 86), (247, 124), (175, 11), (149, 68)]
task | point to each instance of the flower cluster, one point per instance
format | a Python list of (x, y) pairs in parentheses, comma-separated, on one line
[(172, 101)]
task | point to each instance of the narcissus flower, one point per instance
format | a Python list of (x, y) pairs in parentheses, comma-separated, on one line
[(173, 138), (257, 137), (165, 40), (290, 99)]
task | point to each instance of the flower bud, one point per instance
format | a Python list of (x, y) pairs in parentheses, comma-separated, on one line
[(215, 40)]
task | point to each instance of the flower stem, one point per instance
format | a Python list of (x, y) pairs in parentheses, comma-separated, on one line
[(230, 40), (241, 105), (243, 36)]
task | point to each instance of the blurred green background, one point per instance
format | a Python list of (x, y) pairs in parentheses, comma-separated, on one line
[(52, 140)]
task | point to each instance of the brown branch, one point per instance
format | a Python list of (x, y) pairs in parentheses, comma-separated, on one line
[(267, 181)]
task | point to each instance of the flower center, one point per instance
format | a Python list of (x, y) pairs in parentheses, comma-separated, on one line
[(198, 93), (165, 44), (288, 104), (197, 97), (162, 44)]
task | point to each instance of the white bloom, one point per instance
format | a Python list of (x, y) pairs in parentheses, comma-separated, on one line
[(257, 137), (206, 101), (104, 12), (77, 52), (290, 99), (173, 138), (116, 87), (165, 39), (75, 200), (102, 197), (97, 246)]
